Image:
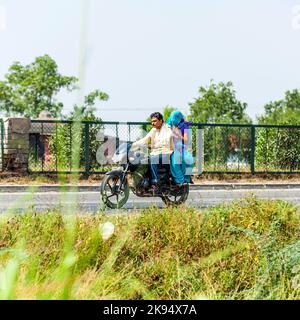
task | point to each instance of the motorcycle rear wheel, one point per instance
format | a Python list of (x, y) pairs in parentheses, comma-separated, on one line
[(176, 198)]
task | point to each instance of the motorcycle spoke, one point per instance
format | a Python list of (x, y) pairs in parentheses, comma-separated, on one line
[(111, 189), (115, 184), (112, 195), (108, 191)]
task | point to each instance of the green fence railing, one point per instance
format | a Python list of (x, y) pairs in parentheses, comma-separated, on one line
[(2, 144), (233, 148), (217, 148)]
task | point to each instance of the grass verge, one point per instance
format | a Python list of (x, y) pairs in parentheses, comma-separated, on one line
[(247, 250)]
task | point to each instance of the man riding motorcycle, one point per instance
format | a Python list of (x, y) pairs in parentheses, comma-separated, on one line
[(160, 142), (147, 179)]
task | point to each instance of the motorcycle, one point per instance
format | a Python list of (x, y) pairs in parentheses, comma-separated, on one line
[(134, 174)]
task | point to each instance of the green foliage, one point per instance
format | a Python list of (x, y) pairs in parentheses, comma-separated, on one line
[(87, 111), (227, 148), (29, 89), (246, 250), (285, 111), (280, 147), (218, 104), (167, 112), (62, 143)]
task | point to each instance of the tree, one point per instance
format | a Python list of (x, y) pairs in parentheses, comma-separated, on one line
[(167, 112), (87, 111), (218, 104), (283, 111), (27, 90), (61, 143)]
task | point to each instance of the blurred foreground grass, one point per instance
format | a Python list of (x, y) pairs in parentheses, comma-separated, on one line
[(247, 250)]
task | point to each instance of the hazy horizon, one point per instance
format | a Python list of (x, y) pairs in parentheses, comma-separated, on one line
[(147, 55)]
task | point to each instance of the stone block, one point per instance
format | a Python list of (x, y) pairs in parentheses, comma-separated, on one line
[(16, 144), (19, 125)]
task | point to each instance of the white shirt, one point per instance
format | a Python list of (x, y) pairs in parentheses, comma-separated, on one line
[(161, 141)]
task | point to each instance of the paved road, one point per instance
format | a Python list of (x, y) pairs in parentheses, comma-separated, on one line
[(90, 202)]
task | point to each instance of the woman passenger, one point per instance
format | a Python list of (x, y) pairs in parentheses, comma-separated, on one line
[(181, 160)]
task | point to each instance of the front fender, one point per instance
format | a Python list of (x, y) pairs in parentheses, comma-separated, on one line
[(115, 173)]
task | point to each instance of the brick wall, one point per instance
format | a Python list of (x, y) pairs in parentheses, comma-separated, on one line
[(16, 145)]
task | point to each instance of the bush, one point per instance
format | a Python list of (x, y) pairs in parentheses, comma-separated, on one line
[(278, 149)]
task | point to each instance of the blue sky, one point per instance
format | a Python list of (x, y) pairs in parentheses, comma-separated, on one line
[(147, 54)]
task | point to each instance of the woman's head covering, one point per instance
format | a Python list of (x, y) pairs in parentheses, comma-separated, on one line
[(176, 117)]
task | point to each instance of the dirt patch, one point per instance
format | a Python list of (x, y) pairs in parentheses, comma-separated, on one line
[(35, 179), (248, 178)]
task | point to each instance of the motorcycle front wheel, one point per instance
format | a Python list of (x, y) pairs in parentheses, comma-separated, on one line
[(176, 196), (113, 196)]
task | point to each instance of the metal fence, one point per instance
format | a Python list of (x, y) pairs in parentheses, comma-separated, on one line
[(52, 145), (217, 148), (1, 144), (251, 148)]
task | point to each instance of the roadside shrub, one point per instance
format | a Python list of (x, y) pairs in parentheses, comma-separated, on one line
[(278, 149), (246, 250)]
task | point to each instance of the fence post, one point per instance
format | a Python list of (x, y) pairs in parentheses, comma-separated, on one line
[(253, 143), (200, 149), (2, 144), (87, 150), (117, 137)]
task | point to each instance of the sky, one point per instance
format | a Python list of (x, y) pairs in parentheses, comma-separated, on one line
[(147, 54)]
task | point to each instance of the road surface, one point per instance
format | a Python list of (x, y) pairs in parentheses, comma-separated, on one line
[(90, 201)]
